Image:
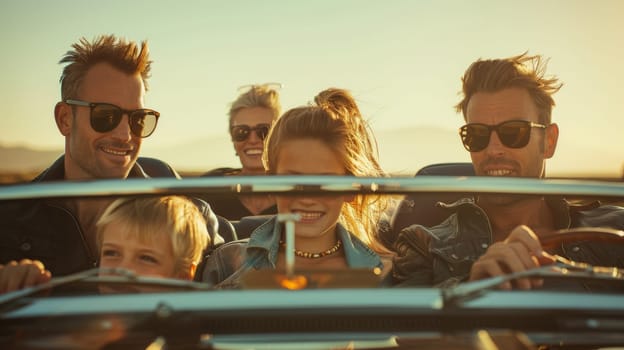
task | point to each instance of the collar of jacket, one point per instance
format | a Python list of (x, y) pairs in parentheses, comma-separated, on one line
[(265, 241), (56, 171)]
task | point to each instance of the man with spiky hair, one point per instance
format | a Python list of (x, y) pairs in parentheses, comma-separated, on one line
[(101, 80), (103, 119), (507, 105)]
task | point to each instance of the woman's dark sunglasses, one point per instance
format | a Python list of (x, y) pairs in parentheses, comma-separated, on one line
[(241, 132), (512, 134), (106, 117)]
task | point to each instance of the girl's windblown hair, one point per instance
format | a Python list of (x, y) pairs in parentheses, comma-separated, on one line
[(335, 120)]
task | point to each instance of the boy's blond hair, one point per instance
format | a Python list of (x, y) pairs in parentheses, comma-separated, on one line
[(155, 218)]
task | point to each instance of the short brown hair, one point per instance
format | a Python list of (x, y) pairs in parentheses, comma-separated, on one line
[(522, 71), (124, 55)]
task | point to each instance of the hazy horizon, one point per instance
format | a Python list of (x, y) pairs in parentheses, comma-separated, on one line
[(401, 152)]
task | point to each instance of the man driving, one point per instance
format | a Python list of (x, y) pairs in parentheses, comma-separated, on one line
[(507, 105)]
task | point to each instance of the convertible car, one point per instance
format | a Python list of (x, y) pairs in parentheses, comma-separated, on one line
[(339, 310)]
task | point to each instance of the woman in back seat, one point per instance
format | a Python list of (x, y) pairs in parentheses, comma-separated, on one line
[(334, 232), (251, 117)]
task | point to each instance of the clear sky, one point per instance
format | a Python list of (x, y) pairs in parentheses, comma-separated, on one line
[(401, 59)]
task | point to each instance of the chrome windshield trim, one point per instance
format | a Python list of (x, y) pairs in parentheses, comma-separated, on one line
[(352, 301), (315, 185)]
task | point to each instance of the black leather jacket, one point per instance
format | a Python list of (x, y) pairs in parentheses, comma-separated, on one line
[(47, 230), (228, 205), (443, 255)]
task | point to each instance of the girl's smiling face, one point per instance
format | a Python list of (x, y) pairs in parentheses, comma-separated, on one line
[(319, 214)]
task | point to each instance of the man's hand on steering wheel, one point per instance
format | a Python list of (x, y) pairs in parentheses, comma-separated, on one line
[(26, 273), (519, 252)]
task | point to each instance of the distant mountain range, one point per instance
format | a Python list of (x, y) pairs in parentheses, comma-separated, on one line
[(24, 159), (402, 151)]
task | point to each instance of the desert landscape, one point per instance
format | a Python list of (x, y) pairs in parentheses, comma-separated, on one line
[(402, 152)]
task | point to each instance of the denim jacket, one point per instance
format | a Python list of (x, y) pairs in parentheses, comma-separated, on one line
[(228, 263), (443, 255)]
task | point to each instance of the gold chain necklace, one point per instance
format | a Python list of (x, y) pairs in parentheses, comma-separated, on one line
[(308, 255)]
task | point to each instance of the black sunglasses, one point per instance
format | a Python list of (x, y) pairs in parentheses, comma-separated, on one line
[(106, 117), (241, 132), (512, 134)]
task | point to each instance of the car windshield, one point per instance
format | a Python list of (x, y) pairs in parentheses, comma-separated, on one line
[(311, 175), (318, 307)]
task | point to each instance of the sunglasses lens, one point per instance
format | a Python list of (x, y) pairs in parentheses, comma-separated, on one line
[(514, 134), (262, 131), (143, 122), (240, 132), (475, 137), (105, 118)]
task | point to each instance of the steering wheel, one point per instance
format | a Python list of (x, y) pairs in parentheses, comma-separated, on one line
[(572, 235)]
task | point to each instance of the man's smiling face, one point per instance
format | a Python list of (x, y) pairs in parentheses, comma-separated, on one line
[(497, 159), (91, 154)]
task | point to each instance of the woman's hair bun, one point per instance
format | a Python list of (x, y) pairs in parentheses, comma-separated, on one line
[(339, 101)]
